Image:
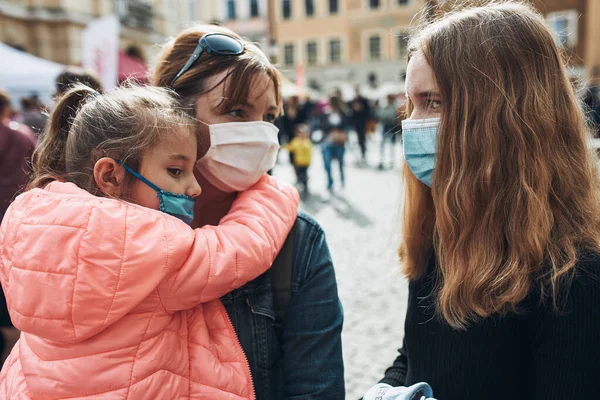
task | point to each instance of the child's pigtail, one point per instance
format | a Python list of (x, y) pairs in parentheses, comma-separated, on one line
[(49, 158)]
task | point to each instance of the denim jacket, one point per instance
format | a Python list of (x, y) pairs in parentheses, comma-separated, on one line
[(302, 359)]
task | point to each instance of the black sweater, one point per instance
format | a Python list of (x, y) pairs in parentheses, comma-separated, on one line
[(538, 354)]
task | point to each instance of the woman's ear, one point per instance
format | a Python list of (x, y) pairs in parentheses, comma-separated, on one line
[(109, 176)]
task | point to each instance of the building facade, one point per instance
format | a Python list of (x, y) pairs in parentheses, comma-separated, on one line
[(571, 22), (248, 18), (331, 42), (52, 29), (335, 42), (324, 42)]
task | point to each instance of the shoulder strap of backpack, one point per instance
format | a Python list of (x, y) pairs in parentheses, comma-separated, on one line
[(281, 278)]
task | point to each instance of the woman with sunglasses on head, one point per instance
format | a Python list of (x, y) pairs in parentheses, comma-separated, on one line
[(502, 215), (288, 320)]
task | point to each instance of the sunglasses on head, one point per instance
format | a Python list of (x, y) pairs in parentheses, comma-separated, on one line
[(212, 43)]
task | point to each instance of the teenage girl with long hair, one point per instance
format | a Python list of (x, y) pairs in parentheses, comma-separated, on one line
[(501, 232)]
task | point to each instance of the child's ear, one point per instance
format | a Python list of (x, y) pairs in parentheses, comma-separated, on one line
[(109, 176)]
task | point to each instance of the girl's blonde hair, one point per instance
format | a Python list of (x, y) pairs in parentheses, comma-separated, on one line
[(122, 124), (515, 194)]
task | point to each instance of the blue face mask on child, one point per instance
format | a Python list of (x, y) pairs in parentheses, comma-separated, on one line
[(178, 205), (419, 142)]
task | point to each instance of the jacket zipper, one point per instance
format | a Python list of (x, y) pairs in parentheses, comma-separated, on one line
[(239, 345)]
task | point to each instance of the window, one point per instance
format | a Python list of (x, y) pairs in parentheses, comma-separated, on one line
[(333, 7), (402, 2), (564, 27), (253, 8), (309, 6), (374, 3), (335, 51), (311, 53), (561, 29), (288, 55), (402, 45), (375, 47), (287, 9), (192, 8), (230, 9)]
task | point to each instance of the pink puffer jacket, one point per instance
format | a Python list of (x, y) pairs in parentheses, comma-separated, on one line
[(117, 301)]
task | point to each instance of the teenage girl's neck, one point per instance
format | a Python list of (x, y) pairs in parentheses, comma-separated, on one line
[(212, 204)]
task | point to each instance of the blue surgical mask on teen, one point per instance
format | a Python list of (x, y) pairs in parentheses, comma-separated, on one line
[(419, 138), (178, 205)]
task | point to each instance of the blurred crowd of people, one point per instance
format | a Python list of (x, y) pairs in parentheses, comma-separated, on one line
[(337, 125)]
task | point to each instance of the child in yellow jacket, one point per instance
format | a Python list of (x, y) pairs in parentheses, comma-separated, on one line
[(301, 148)]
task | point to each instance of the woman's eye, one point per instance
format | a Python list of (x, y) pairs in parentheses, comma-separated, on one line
[(175, 171), (270, 118), (236, 113), (434, 105)]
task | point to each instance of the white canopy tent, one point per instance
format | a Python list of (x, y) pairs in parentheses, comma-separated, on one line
[(372, 93), (289, 88), (23, 74)]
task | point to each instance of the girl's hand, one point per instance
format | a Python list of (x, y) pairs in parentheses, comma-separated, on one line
[(382, 391)]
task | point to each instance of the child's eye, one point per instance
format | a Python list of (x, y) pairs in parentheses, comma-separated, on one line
[(175, 171), (269, 118)]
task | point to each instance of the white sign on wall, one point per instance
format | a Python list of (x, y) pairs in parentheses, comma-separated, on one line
[(100, 46)]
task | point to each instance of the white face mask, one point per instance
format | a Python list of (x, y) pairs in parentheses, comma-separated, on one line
[(239, 154)]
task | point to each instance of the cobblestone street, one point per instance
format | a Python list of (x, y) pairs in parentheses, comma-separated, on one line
[(362, 227)]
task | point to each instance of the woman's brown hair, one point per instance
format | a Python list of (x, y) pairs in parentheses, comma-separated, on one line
[(515, 194), (241, 70), (122, 124)]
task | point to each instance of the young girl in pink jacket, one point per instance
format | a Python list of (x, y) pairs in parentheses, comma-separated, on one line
[(115, 295)]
